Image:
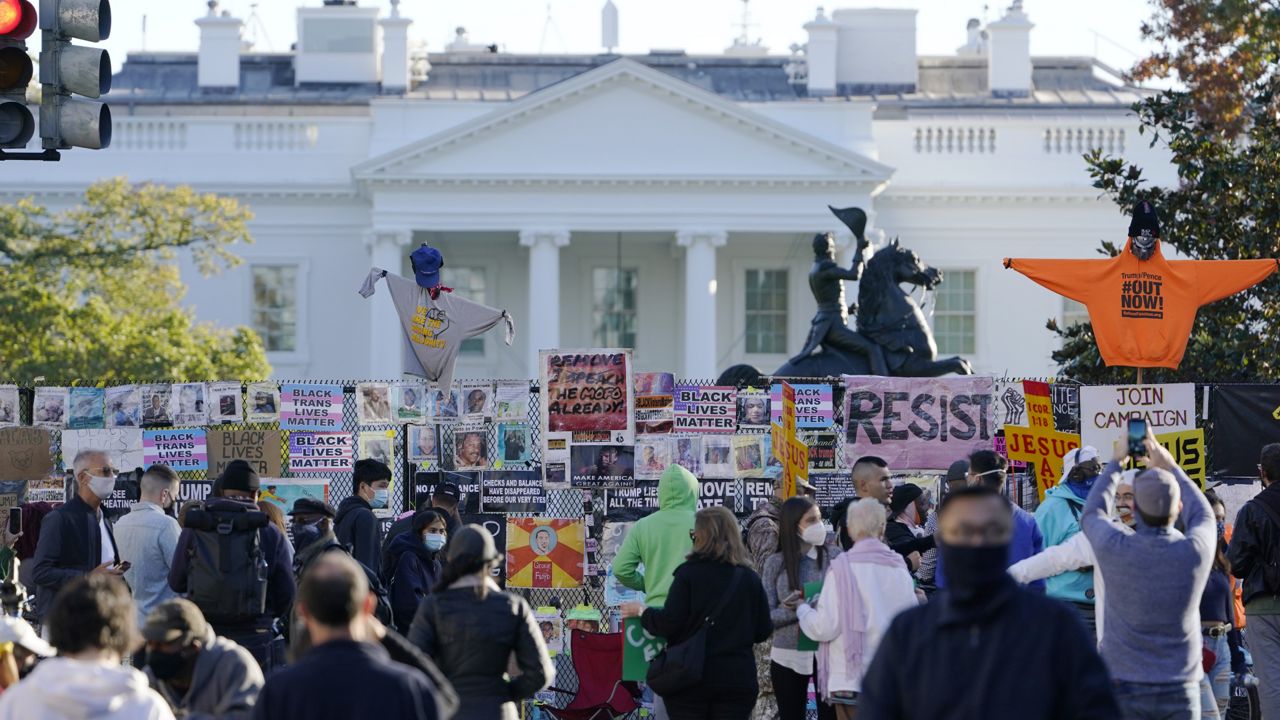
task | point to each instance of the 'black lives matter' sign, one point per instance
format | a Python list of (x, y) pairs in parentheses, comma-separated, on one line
[(1140, 296)]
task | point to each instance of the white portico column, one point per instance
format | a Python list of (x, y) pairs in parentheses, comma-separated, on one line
[(387, 247), (542, 328), (700, 300)]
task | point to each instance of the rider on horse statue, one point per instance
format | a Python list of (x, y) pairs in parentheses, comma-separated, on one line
[(830, 325)]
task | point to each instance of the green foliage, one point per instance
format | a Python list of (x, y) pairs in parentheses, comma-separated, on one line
[(92, 294), (1226, 204)]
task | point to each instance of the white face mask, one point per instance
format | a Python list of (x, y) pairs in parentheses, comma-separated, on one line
[(815, 534), (102, 486)]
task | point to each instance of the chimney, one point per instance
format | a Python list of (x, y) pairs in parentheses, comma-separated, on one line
[(877, 51), (973, 45), (218, 62), (337, 43), (395, 50), (821, 53), (609, 26), (1009, 54)]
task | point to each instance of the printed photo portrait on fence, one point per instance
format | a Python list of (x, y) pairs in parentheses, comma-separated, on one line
[(688, 453), (514, 443), (753, 409), (476, 399), (424, 443), (187, 404), (470, 447), (653, 456), (225, 403), (373, 403), (85, 408), (410, 401), (445, 403), (9, 405), (264, 403), (49, 409), (156, 401), (599, 465), (123, 406), (376, 445)]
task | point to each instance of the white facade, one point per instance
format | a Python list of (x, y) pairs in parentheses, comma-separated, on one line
[(538, 199)]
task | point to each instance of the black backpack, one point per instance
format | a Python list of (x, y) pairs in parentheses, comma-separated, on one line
[(227, 572)]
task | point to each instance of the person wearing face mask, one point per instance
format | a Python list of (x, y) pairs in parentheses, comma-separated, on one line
[(76, 539), (147, 537), (356, 526), (313, 537), (201, 676), (417, 564), (1076, 553), (954, 656), (905, 529), (1059, 519), (988, 469), (803, 557)]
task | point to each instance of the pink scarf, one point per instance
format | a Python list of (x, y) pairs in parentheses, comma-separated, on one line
[(853, 617)]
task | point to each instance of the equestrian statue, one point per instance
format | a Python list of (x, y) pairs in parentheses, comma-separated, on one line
[(892, 336)]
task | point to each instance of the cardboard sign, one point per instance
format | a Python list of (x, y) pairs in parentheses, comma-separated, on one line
[(259, 448), (25, 453), (917, 423), (706, 409), (1105, 411)]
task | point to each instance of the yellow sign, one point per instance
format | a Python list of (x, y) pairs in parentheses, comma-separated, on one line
[(1187, 449), (793, 454), (1042, 448)]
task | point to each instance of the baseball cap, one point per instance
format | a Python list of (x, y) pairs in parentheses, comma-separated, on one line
[(426, 262), (1155, 492), (958, 471), (175, 620), (311, 506), (17, 631), (447, 489)]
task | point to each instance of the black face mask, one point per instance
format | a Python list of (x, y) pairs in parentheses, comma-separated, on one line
[(165, 665), (305, 535), (1144, 245), (973, 572)]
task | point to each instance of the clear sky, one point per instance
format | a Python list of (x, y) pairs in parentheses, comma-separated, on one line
[(1108, 29)]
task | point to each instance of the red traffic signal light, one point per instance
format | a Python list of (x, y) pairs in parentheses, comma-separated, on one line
[(17, 19)]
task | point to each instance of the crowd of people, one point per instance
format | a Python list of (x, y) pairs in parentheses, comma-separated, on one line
[(1125, 595)]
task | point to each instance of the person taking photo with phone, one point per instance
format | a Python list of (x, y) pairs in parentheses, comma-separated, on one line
[(1155, 575)]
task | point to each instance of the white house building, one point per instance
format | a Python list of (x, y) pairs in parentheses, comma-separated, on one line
[(663, 202)]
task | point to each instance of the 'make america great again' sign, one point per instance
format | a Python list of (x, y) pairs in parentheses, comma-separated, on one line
[(917, 423)]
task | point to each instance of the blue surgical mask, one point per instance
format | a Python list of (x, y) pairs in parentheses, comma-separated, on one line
[(379, 498), (434, 542), (1222, 528)]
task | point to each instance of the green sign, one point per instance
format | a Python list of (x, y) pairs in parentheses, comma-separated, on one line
[(804, 642), (639, 648)]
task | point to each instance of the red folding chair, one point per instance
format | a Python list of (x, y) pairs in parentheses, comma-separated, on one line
[(601, 693)]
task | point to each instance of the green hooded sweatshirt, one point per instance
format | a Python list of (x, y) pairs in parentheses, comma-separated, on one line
[(660, 541)]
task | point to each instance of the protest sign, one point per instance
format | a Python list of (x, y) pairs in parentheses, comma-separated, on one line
[(1105, 411), (1066, 407), (917, 423), (468, 487), (263, 403), (754, 492), (545, 553), (639, 648), (643, 496), (1039, 404), (786, 448), (513, 491), (311, 407), (1245, 417), (26, 453), (259, 448), (283, 493), (9, 405), (86, 408), (125, 493), (822, 450), (188, 405), (653, 457), (156, 402), (321, 452), (718, 493), (12, 493), (194, 490), (1187, 449), (813, 405), (181, 450), (555, 460), (588, 393), (602, 465), (511, 401), (1042, 448), (748, 457), (1010, 403), (830, 488), (51, 488), (49, 409), (706, 409), (225, 403), (655, 403), (123, 445)]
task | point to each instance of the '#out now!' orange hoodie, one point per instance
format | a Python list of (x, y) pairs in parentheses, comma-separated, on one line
[(1142, 310)]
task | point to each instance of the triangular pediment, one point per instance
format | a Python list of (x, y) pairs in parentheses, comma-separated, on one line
[(623, 121)]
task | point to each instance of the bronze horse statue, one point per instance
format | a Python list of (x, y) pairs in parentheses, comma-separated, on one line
[(888, 317)]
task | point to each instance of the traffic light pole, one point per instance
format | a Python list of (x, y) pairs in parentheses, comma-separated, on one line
[(47, 156)]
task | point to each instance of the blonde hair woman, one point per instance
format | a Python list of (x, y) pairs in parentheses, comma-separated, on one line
[(728, 688), (866, 587)]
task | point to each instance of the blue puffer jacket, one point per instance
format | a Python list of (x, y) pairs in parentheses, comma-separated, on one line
[(416, 574), (1059, 518)]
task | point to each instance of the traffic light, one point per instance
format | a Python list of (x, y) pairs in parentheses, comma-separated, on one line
[(17, 22), (68, 70)]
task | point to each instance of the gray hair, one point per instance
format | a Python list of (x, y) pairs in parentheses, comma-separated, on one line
[(865, 519), (81, 461)]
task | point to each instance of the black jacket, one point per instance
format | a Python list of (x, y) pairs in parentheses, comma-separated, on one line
[(416, 574), (1255, 536), (471, 641), (944, 660), (696, 589), (349, 680), (70, 545), (901, 540), (357, 528)]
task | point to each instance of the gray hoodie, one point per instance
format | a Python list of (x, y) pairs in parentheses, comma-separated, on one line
[(225, 683)]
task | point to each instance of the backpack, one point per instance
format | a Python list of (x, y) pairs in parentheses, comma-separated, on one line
[(227, 571)]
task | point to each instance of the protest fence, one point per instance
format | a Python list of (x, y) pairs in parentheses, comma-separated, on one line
[(595, 506)]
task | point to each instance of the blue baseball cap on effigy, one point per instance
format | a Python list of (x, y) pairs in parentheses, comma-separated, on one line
[(426, 262)]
